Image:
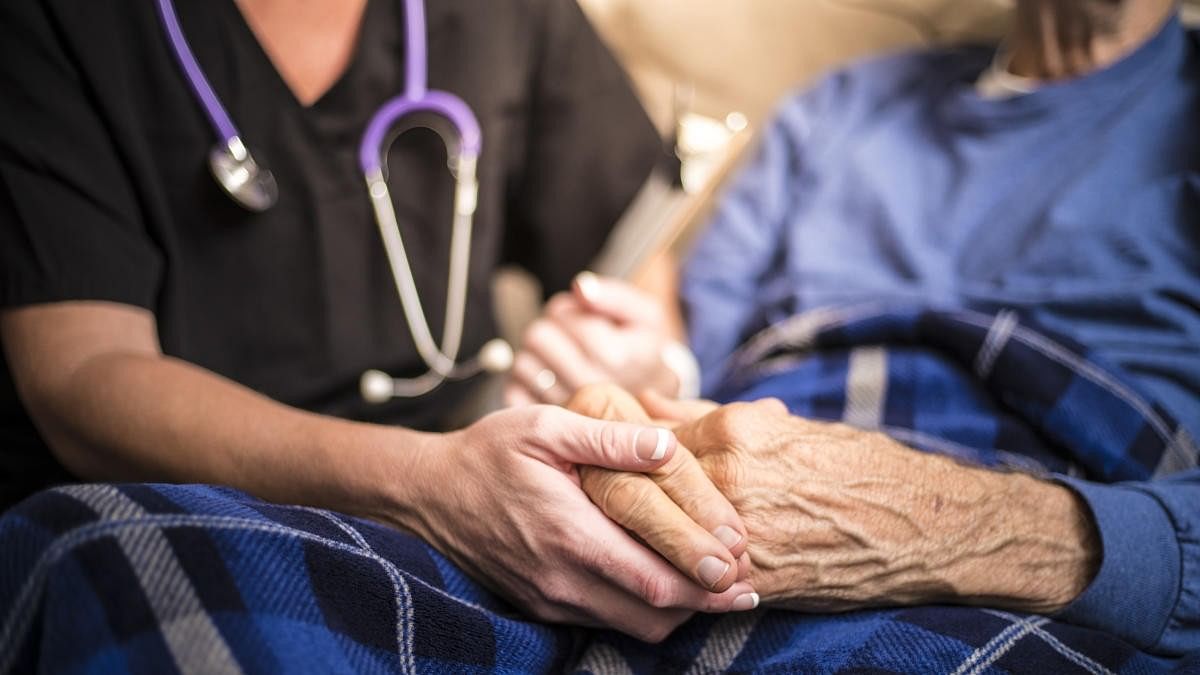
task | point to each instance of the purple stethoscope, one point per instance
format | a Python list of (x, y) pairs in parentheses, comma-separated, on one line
[(253, 187)]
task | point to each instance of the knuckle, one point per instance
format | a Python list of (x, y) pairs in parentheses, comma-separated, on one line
[(773, 406), (609, 438), (624, 497), (724, 470), (724, 420), (548, 611), (594, 400), (658, 591), (575, 548), (559, 592), (740, 412), (537, 333), (586, 553), (524, 366), (560, 303)]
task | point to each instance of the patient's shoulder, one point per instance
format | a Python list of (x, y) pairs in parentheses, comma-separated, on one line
[(899, 74), (862, 91)]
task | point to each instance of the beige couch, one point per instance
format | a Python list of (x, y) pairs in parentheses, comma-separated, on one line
[(744, 54)]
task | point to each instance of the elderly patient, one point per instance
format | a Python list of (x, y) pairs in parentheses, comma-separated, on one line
[(997, 262)]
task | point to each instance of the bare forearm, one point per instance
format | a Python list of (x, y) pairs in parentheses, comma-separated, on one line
[(145, 417), (928, 529), (1034, 546), (915, 528)]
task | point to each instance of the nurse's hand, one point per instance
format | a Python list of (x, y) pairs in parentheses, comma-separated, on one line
[(502, 499), (602, 330)]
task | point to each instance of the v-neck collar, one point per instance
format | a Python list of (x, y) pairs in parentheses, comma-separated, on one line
[(1094, 94), (334, 91)]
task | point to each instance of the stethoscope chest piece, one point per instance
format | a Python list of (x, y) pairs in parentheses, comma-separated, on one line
[(250, 185)]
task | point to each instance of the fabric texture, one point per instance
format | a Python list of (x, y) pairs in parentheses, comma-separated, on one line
[(993, 391), (159, 579), (153, 577)]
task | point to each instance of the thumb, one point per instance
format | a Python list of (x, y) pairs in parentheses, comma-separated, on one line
[(621, 446), (616, 299)]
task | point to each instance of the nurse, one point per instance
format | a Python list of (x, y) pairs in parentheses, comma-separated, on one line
[(154, 330)]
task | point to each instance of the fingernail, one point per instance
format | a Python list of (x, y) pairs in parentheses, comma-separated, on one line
[(727, 536), (712, 570), (744, 602), (589, 285), (651, 447)]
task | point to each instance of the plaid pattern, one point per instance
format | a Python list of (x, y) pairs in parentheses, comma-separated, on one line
[(149, 578), (984, 388), (158, 578)]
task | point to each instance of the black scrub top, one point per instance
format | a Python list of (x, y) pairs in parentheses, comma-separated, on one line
[(105, 193)]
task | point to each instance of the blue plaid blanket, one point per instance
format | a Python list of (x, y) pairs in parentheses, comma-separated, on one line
[(155, 578)]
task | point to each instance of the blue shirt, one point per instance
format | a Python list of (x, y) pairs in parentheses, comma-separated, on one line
[(1078, 206)]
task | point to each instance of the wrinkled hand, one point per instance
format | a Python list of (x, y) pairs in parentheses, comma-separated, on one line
[(839, 518), (502, 499), (603, 330)]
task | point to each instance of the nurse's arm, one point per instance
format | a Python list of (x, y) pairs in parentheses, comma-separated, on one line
[(113, 407)]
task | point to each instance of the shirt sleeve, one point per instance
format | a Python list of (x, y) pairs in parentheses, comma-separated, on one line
[(1147, 590), (70, 226), (589, 149)]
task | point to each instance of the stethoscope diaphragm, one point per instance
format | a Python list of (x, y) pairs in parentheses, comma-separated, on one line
[(248, 183)]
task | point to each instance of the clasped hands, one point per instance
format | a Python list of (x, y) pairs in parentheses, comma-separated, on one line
[(753, 504), (837, 518)]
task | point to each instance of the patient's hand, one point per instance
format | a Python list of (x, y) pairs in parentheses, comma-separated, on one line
[(840, 518), (675, 508)]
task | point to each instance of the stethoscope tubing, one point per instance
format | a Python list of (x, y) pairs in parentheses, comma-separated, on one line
[(218, 117), (237, 172)]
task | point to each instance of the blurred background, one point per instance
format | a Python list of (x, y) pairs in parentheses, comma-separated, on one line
[(744, 54), (711, 71)]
